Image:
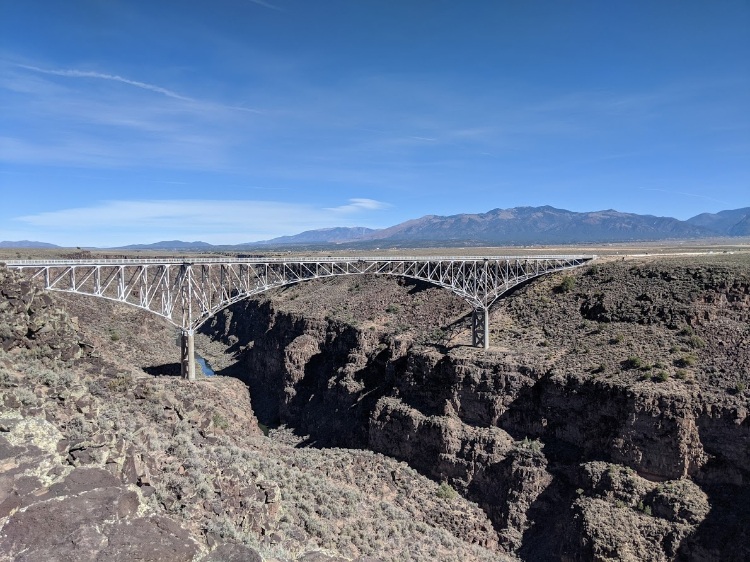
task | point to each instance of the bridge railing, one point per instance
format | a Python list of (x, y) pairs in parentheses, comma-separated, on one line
[(292, 259)]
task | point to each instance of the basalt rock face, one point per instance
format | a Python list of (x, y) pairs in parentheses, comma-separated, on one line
[(608, 420), (30, 322), (55, 511)]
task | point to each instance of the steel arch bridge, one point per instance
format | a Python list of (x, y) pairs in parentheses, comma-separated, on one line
[(187, 292)]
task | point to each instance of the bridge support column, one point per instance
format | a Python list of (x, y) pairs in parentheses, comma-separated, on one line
[(480, 328), (187, 358)]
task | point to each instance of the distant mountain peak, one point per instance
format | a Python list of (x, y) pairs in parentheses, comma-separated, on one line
[(168, 245), (335, 235), (724, 223), (26, 244)]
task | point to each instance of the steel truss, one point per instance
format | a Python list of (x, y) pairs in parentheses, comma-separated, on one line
[(187, 292)]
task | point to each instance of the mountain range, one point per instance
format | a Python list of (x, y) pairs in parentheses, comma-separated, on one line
[(169, 245), (515, 226)]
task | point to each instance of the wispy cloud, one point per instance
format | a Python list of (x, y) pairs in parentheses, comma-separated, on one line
[(221, 222), (75, 73), (697, 195), (266, 5), (377, 134), (86, 151), (71, 73), (357, 205)]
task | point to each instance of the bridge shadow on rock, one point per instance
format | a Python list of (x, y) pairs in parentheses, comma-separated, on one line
[(333, 402), (725, 532), (416, 285), (552, 521), (165, 370)]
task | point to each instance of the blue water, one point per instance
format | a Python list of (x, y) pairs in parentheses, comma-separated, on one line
[(208, 371)]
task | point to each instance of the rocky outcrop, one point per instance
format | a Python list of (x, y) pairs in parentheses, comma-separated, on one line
[(74, 489), (30, 324), (54, 511)]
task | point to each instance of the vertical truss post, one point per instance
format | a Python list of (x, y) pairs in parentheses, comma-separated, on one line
[(480, 327), (187, 359)]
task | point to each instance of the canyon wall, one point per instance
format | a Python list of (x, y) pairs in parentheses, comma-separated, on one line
[(607, 421)]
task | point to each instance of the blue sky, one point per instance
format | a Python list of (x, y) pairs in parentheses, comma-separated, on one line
[(240, 120)]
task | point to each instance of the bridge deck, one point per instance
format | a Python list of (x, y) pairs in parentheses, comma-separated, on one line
[(289, 259)]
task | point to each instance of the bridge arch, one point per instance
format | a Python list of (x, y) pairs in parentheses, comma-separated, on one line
[(198, 322), (188, 292)]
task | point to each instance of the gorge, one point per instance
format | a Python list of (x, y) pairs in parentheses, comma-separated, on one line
[(608, 420)]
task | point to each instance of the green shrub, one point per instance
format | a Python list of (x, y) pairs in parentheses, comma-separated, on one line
[(661, 376), (686, 361), (26, 397), (445, 491), (119, 384), (695, 342), (646, 509), (633, 362), (47, 377), (533, 445), (6, 379), (220, 421), (566, 285)]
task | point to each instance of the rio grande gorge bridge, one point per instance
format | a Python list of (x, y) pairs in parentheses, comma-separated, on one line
[(187, 292)]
